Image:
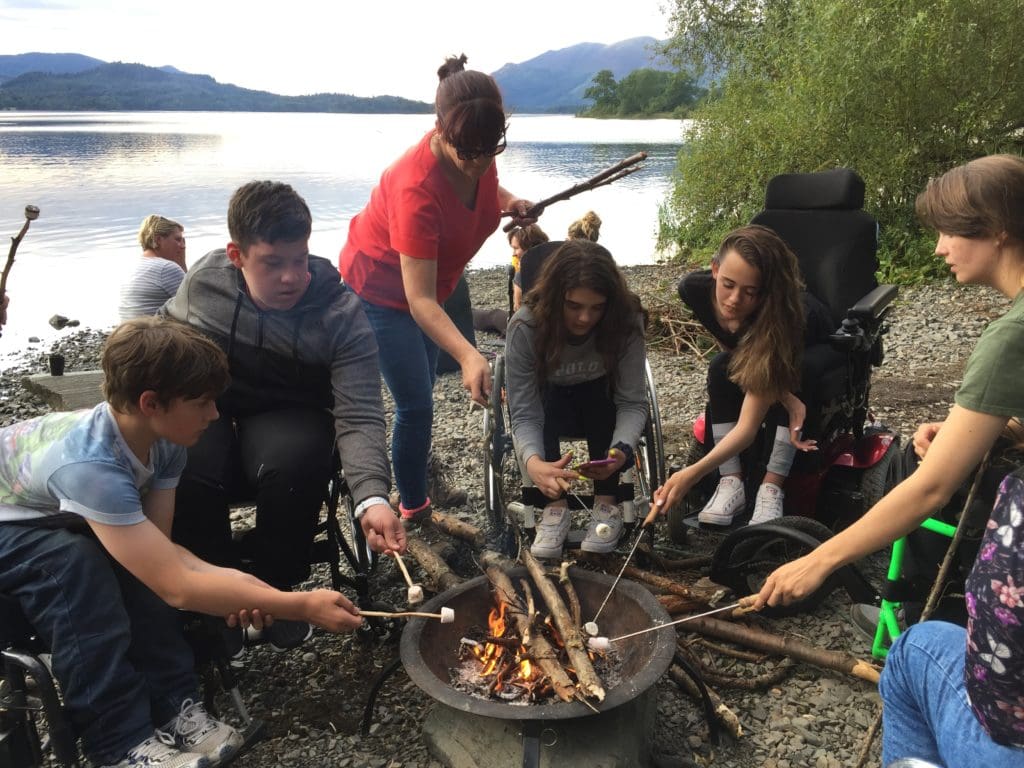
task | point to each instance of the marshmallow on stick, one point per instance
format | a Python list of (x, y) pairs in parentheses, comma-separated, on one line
[(414, 594), (447, 615)]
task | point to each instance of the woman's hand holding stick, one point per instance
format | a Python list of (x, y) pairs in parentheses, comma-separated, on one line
[(607, 176)]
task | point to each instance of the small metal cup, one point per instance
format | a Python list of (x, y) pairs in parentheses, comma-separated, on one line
[(55, 362)]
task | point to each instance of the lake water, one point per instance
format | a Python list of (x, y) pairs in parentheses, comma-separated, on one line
[(95, 176)]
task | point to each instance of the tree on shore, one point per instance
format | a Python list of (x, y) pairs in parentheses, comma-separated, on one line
[(898, 90), (643, 92)]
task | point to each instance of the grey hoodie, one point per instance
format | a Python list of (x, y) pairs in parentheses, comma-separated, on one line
[(321, 353), (576, 364)]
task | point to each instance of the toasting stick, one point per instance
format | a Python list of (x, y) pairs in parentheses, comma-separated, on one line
[(603, 643), (447, 615), (31, 214), (414, 594)]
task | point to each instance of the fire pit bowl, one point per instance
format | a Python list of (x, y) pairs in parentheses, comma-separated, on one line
[(429, 651)]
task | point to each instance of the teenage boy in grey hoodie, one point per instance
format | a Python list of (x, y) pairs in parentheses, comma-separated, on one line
[(304, 377)]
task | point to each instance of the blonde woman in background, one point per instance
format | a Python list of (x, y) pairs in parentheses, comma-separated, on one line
[(586, 228), (158, 272)]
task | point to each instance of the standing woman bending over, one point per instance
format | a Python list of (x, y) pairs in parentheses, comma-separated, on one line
[(157, 274), (753, 303), (432, 210), (575, 363), (954, 696)]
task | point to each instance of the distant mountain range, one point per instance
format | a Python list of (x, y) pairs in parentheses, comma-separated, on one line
[(552, 82), (555, 81)]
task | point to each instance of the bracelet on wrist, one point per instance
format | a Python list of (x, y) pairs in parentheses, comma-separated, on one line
[(365, 504)]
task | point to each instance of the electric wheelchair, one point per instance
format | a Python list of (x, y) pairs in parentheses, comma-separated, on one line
[(510, 500), (858, 460)]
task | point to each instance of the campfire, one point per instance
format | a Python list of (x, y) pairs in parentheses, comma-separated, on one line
[(501, 663)]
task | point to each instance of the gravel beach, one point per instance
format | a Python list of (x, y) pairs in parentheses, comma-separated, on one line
[(311, 700)]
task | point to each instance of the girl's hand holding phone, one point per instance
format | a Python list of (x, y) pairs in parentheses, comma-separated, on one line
[(602, 469)]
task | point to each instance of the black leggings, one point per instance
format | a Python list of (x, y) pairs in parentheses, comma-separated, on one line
[(585, 410), (279, 459)]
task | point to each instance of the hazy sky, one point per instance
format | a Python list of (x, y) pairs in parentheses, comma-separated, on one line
[(366, 48)]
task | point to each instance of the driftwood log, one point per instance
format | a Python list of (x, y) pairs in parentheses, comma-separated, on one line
[(459, 529), (540, 649), (572, 635), (725, 716), (438, 572), (784, 645)]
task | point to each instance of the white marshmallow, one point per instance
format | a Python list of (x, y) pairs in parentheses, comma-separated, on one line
[(447, 615), (590, 628), (599, 643), (602, 529), (415, 594)]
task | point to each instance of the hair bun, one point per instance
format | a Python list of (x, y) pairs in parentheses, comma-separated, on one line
[(451, 66)]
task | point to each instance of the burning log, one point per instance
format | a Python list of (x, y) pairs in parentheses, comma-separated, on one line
[(437, 571), (785, 645), (572, 635), (539, 647), (459, 529)]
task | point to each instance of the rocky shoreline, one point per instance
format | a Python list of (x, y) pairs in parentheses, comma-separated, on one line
[(312, 700)]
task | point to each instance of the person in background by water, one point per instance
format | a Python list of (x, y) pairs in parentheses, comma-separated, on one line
[(575, 363), (940, 703), (523, 239), (158, 272), (427, 217), (753, 303), (304, 380), (586, 228)]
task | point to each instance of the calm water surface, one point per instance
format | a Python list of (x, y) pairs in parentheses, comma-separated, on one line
[(96, 175)]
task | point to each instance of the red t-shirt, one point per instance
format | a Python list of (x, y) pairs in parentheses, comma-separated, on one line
[(415, 211)]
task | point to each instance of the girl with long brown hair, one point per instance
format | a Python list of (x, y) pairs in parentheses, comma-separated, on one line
[(575, 365), (753, 303)]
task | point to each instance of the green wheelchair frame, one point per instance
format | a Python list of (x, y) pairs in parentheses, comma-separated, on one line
[(888, 628)]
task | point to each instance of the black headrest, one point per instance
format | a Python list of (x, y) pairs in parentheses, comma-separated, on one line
[(533, 259), (837, 189)]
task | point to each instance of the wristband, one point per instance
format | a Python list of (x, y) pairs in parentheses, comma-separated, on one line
[(626, 451), (365, 504)]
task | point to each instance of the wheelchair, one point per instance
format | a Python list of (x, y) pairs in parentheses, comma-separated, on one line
[(858, 460), (34, 729), (505, 480)]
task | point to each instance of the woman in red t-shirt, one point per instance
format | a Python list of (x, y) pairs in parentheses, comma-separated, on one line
[(432, 210)]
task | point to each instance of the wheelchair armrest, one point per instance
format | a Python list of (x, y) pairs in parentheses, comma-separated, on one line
[(872, 306)]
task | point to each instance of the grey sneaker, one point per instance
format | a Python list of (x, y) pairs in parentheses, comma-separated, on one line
[(551, 531), (158, 751), (768, 504), (726, 502), (604, 529), (193, 729), (285, 634), (865, 618), (440, 488)]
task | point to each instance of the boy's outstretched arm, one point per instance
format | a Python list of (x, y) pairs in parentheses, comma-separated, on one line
[(149, 555)]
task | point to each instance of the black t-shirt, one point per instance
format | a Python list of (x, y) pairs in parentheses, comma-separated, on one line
[(696, 290)]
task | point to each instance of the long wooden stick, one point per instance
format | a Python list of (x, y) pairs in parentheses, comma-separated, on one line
[(607, 176), (400, 614), (572, 636), (31, 214)]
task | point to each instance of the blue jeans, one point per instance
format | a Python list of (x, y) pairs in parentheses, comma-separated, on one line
[(408, 363), (119, 654), (926, 712)]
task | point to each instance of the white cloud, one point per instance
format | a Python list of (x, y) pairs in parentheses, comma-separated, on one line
[(307, 46)]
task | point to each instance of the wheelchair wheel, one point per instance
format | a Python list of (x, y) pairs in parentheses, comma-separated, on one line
[(501, 470), (652, 453), (878, 480), (747, 555)]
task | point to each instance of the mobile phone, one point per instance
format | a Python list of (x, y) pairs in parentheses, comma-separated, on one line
[(595, 463)]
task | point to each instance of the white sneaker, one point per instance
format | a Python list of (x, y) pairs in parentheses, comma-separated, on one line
[(726, 502), (194, 730), (158, 751), (551, 531), (768, 504), (604, 530)]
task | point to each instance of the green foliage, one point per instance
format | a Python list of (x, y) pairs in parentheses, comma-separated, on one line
[(643, 92), (898, 90)]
